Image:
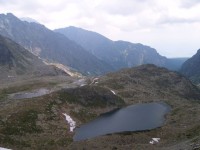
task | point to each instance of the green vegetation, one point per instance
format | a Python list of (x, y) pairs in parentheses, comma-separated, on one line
[(193, 132), (66, 97), (91, 96), (3, 95), (49, 110), (8, 140), (22, 123), (83, 115), (65, 141), (114, 85)]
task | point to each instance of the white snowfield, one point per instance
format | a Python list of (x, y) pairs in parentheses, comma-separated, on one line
[(154, 140), (1, 148), (70, 121)]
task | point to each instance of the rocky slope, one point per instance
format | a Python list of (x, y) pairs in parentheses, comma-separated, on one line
[(149, 83), (17, 61), (191, 68), (91, 96), (50, 45), (120, 54)]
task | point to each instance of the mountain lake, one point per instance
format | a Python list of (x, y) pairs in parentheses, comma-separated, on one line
[(139, 117)]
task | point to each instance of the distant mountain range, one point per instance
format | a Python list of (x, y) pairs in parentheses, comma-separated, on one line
[(87, 52), (15, 60), (120, 54), (191, 68), (51, 46)]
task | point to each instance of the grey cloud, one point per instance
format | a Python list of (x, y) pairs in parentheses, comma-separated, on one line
[(125, 7), (35, 6), (20, 6), (3, 2), (176, 20), (189, 3)]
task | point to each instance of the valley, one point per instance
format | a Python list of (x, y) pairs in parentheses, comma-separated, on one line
[(55, 82)]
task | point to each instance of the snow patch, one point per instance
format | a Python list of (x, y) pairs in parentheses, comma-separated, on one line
[(70, 121), (94, 81), (82, 85), (1, 148), (10, 76), (113, 92), (154, 140)]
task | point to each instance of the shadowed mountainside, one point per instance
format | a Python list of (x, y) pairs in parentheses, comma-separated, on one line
[(15, 60), (191, 68), (50, 46)]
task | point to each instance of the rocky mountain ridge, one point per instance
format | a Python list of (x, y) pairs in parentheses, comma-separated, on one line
[(149, 83), (51, 46)]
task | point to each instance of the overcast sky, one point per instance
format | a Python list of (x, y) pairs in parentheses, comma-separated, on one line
[(172, 27)]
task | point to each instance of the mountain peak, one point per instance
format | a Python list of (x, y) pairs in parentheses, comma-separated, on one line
[(9, 15)]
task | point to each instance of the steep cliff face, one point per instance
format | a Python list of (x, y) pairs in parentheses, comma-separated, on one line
[(191, 68), (138, 54)]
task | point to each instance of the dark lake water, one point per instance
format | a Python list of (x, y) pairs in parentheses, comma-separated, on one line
[(137, 117)]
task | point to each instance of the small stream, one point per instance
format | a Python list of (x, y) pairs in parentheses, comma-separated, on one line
[(30, 94)]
